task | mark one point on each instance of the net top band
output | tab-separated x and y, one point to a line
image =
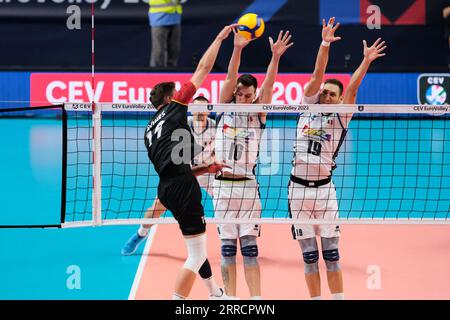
273	108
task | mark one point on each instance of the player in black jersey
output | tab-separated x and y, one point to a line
171	148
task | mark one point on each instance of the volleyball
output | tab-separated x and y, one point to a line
251	26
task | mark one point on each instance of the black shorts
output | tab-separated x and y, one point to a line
183	197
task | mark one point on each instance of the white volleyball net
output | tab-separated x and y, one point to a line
392	164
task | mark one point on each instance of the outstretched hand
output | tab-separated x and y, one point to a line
226	31
283	43
328	31
239	40
375	51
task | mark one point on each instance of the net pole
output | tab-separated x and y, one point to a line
96	136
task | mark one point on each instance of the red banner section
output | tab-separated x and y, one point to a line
135	88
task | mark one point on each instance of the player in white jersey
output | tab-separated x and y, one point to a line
236	193
312	194
204	131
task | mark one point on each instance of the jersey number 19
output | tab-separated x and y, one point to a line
314	148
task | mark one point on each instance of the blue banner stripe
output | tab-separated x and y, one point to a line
266	9
345	11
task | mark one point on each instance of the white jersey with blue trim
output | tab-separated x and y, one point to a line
205	138
237	142
319	137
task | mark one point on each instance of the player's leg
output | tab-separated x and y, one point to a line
248	234
302	201
228	265
155	211
183	197
249	251
330	241
310	251
215	292
197	255
330	253
228	234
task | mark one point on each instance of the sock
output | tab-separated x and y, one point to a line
337	296
142	232
316	298
177	296
212	286
256	298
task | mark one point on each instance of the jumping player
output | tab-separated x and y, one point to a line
171	148
237	144
312	194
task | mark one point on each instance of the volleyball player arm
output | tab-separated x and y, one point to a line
370	54
278	49
316	80
209	58
226	93
208	168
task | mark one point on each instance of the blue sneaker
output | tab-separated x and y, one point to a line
132	244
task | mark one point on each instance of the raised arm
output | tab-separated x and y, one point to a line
226	93
370	54
328	37
278	49
209	58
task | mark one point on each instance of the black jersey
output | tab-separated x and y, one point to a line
170	123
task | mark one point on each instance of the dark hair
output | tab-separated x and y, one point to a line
248	80
160	92
338	83
201	98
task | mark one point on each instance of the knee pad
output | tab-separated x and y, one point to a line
229	249
310	254
197	255
249	250
330	253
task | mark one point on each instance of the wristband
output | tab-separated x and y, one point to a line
325	43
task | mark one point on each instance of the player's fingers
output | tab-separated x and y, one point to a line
234	25
381	55
381	44
280	35
271	41
365	43
288	39
336	26
382	49
331	21
376	42
289	45
323	23
285	36
337	38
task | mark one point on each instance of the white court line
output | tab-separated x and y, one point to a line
142	262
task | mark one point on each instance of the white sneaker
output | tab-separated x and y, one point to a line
223	296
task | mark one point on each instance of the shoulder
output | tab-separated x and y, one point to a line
185	94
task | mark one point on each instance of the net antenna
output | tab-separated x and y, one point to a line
96	133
